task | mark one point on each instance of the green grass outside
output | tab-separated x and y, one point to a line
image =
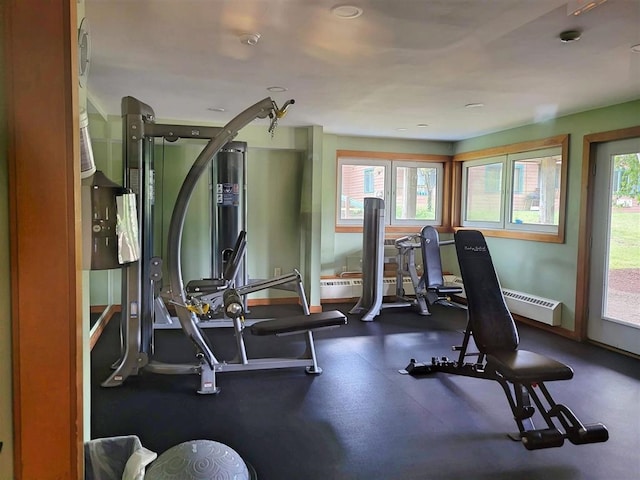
625	240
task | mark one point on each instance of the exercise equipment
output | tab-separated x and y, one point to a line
370	301
521	374
200	460
429	288
141	301
209	292
125	458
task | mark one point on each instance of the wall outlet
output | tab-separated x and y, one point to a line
277	272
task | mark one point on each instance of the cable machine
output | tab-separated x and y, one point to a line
141	300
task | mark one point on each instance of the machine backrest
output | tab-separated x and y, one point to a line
235	259
431	262
489	318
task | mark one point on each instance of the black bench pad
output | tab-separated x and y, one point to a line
299	323
521	366
445	289
206	285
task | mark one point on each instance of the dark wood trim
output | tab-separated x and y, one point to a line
456	194
512	148
585	227
447	193
563	332
392	231
414	157
41	93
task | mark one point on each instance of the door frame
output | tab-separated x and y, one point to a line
43	137
589	154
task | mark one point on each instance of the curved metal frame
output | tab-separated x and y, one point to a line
262	109
136	349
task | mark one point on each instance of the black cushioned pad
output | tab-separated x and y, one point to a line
446	289
299	323
521	366
206	285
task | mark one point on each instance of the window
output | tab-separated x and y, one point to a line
411	187
416	193
358	179
483	200
519	190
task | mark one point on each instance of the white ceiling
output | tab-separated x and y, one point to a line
400	64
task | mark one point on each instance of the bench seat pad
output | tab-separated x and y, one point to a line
299	323
446	289
206	285
521	366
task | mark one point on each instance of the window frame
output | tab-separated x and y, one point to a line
512	154
396	222
483	162
391	161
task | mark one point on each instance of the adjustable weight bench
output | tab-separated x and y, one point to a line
521	374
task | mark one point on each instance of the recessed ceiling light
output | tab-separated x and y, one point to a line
635	48
250	38
346	12
216	109
401	129
474	105
570	36
422	125
277	89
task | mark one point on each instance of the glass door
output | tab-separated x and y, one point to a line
614	292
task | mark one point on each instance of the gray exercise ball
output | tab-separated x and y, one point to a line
199	460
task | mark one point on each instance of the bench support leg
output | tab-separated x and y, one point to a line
208	380
312	369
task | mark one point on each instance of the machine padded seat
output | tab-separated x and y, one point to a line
432	264
521	366
206	285
299	323
234	258
445	289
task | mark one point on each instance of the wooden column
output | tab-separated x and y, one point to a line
41	92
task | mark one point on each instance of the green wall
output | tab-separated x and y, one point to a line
546	269
6	419
291	202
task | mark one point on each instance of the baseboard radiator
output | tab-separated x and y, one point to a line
351	288
540	309
536	308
